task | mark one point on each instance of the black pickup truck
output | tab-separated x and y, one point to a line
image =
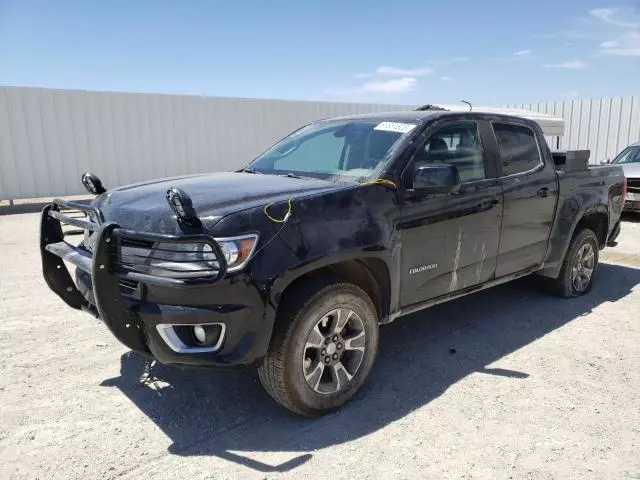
293	262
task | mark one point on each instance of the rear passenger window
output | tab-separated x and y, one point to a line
518	148
458	144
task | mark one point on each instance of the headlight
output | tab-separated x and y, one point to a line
188	260
183	260
237	250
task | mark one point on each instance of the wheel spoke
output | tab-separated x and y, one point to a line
313	378
589	256
315	339
581	281
338	370
577	280
341	317
587	272
575	271
585	281
355	343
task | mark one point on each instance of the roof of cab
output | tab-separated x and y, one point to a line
405	115
549	124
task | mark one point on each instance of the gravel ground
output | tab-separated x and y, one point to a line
508	383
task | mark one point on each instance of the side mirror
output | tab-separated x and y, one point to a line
436	178
605	162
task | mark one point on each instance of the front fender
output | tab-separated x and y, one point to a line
390	260
322	230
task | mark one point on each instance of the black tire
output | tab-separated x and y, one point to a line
282	372
564	284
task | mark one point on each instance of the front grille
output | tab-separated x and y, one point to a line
128	287
633	185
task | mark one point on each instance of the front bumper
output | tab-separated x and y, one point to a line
632	205
632	200
138	308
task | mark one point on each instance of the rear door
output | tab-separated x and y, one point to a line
530	188
450	241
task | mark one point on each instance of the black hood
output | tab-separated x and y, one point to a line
143	206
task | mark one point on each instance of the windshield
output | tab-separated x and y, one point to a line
351	150
629	155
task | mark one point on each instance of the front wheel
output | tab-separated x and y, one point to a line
323	348
579	265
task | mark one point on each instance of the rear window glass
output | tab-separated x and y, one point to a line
518	148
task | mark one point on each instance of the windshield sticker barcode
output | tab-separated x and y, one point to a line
395	127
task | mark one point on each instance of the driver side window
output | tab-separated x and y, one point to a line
459	145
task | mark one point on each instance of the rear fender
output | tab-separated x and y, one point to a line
571	213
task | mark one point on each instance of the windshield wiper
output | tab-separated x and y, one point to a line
293	175
250	170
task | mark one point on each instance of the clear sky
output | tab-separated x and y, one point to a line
404	51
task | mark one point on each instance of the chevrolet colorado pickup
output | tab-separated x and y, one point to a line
293	262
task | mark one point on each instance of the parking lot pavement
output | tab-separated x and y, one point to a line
507	383
627	249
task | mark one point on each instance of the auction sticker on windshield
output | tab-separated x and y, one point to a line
395	127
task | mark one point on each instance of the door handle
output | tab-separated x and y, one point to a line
543	192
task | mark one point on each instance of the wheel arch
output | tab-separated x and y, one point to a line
596	220
371	274
594	217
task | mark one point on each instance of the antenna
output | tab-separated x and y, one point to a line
468	103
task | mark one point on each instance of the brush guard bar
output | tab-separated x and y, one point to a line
103	266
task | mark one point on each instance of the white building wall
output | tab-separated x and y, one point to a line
48	138
605	126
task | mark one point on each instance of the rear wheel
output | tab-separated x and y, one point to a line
323	348
579	265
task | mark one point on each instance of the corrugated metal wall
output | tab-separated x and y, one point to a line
48	138
605	126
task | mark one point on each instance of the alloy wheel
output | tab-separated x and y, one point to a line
333	351
583	267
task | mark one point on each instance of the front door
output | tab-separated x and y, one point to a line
450	241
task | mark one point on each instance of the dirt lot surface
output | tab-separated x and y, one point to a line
508	383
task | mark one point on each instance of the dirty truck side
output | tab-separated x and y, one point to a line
293	262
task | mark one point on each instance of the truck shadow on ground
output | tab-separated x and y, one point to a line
221	412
